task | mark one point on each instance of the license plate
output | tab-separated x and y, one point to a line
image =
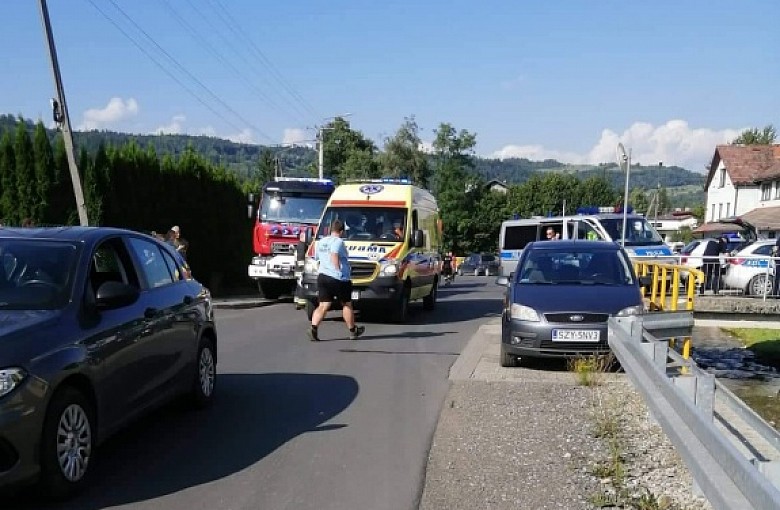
355	295
575	335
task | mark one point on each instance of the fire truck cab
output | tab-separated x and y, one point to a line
285	210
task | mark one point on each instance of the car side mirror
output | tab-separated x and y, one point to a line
502	281
645	281
418	239
112	295
307	237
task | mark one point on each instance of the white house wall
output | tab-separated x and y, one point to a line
721	200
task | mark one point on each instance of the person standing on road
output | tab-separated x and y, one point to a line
776	260
333	282
711	258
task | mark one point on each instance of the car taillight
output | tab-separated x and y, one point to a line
736	262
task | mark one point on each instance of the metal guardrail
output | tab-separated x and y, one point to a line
683	399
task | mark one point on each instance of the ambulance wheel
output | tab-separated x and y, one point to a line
429	301
402	307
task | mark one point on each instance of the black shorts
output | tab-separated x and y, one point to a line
330	289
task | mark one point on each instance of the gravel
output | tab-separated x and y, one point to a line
520	444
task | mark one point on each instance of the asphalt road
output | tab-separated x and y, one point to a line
337	424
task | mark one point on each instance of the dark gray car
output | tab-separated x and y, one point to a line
97	326
479	264
562	295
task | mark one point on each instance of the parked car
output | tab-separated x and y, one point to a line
479	264
97	326
752	275
561	296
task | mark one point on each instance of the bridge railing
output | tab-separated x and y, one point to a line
734	467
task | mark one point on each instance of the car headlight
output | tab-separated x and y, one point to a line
388	268
631	310
523	313
310	266
10	379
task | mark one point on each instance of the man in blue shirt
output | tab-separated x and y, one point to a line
333	281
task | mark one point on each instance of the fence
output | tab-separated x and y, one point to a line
734	466
737	275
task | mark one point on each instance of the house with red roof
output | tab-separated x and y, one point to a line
744	181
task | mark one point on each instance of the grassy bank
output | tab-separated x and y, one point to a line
763	341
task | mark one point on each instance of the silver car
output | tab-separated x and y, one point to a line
752	269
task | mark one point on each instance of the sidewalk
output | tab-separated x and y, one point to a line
516	438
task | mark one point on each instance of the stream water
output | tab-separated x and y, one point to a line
724	356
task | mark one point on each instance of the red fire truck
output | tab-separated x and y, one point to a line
287	207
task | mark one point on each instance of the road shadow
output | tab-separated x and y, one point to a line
457	310
173	449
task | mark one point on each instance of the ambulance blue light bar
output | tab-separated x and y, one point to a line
383	180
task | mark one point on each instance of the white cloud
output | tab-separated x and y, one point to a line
673	143
115	111
293	136
426	147
174	128
245	136
513	83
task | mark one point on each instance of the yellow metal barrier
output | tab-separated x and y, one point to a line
663	298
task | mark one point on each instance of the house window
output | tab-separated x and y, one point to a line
777	190
728	209
722	177
766	191
720	210
712	214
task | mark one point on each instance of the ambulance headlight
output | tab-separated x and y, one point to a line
389	268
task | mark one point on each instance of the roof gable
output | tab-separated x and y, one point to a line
746	164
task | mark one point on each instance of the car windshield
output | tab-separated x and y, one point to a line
638	231
35	275
292	208
366	223
575	267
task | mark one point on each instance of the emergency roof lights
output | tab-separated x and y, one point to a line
303	179
383	180
603	210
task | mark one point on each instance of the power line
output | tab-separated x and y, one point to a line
163	68
237	51
192	76
193	32
274	70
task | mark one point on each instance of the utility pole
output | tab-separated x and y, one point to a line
321	151
60	111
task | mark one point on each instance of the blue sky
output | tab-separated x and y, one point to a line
564	79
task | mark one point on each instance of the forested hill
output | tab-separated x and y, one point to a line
242	158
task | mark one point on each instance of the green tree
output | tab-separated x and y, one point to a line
8	201
25	173
598	191
44	172
457	193
340	142
638	200
61	201
403	156
754	136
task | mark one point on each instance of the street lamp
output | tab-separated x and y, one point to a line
624	158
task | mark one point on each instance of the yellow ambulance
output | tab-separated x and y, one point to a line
392	233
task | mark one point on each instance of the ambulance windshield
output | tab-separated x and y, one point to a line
367	223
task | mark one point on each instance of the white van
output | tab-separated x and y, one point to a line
642	240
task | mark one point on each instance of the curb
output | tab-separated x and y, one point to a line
241	304
467	361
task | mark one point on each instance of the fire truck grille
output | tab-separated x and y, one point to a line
283	249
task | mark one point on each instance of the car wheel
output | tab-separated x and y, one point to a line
758	285
508	360
67	444
402	307
429	301
205	383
